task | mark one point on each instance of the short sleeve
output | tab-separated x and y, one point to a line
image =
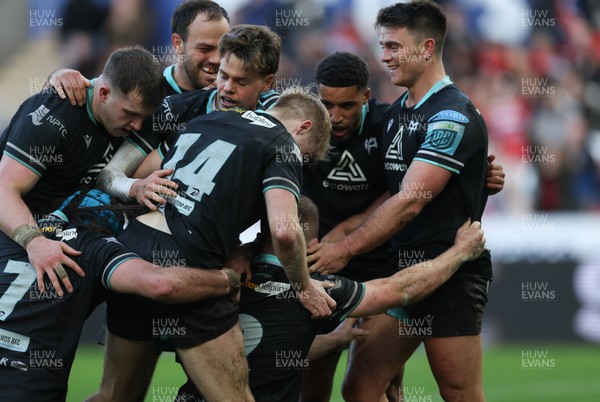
284	169
36	137
450	141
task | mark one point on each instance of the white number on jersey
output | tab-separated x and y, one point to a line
17	289
199	174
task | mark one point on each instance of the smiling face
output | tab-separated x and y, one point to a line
200	51
345	105
239	85
404	55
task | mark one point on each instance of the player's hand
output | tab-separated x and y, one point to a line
49	257
239	260
495	177
346	332
314	298
470	240
70	84
327	258
150	191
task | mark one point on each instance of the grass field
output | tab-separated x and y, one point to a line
514	373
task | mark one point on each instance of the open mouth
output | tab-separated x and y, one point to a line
209	70
227	102
339	131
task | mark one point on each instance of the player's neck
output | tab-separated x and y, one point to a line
426	81
181	78
96	99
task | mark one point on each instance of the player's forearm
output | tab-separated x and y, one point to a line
14	212
290	248
411	284
382	224
115	177
420	280
185	285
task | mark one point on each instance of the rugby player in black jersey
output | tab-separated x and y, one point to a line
278	331
229	165
434	150
39	331
50	147
351	183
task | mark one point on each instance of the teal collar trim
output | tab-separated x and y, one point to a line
211	102
88	103
365	110
267	258
435	88
168	74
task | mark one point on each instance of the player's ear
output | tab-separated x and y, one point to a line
304	127
366	95
268	82
429	47
104	93
177	43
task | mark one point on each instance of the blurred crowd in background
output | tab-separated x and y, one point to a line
532	67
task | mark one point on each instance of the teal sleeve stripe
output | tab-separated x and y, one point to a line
160	152
23	163
362	294
108	275
437	164
283	187
128	139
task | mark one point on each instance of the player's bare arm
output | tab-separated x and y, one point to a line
418	281
147	184
16	221
385	221
70	84
335	340
290	248
173	285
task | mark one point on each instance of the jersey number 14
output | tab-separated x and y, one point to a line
199	174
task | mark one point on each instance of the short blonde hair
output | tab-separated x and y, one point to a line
298	102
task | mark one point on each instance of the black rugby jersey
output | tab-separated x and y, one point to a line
223	163
61	143
446	130
348	183
39	332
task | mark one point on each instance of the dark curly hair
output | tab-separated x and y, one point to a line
342	69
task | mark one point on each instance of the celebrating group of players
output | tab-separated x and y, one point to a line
387	197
